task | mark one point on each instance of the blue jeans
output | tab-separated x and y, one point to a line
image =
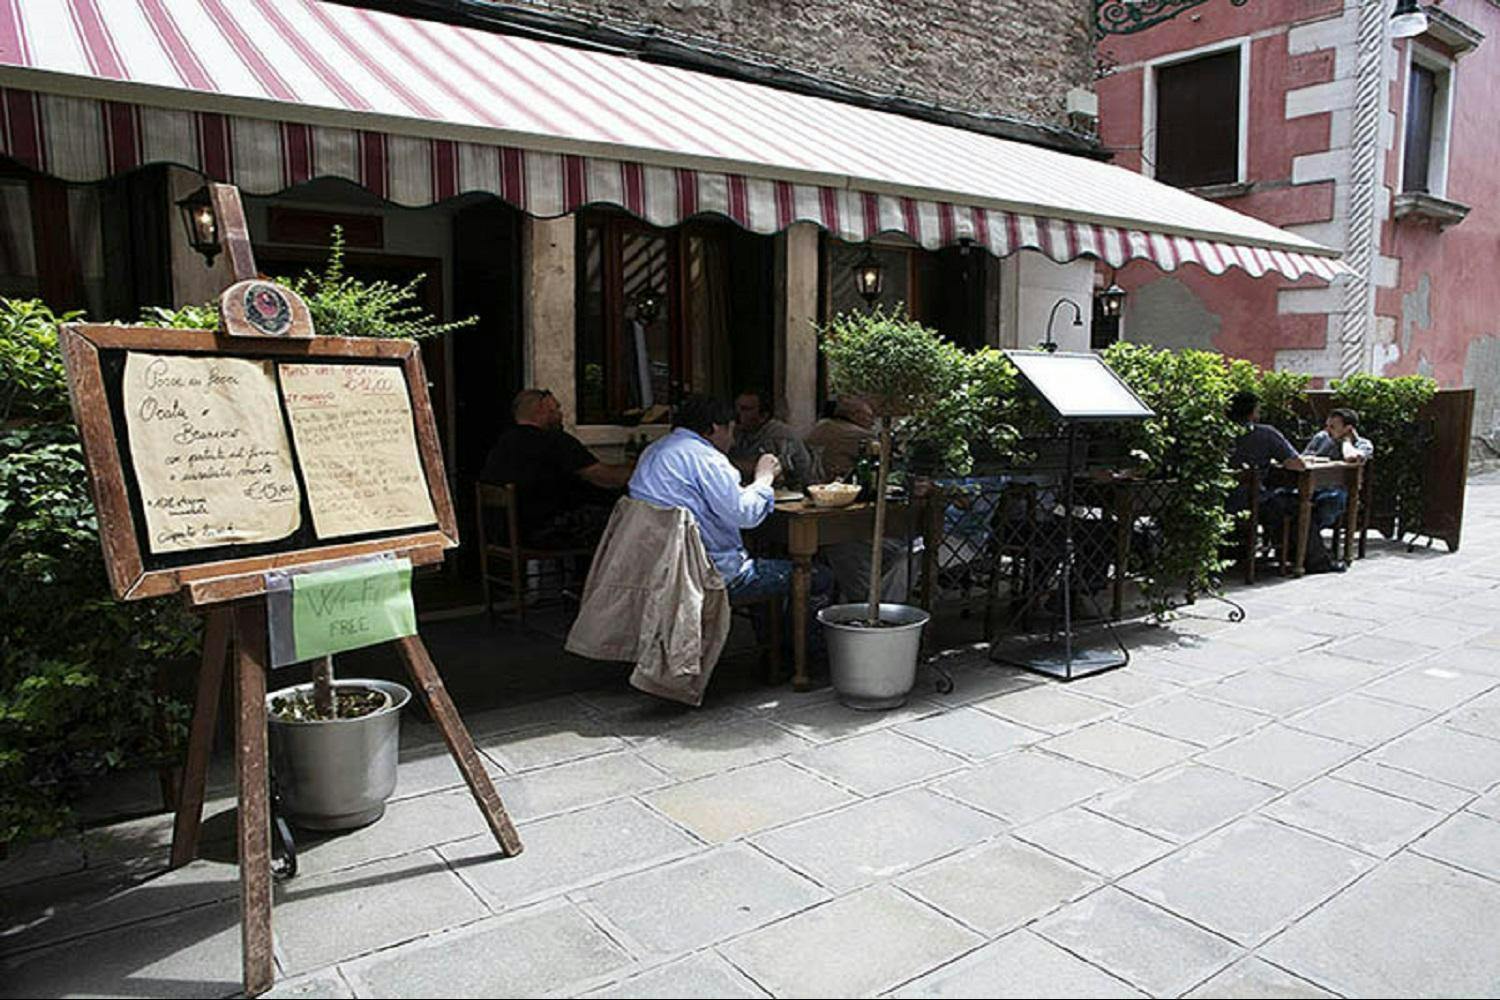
759	579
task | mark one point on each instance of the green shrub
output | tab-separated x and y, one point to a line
1388	409
1187	444
78	670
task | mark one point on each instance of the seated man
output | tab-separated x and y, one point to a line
564	493
1338	441
840	439
759	433
688	468
1258	447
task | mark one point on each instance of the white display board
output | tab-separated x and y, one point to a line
1079	386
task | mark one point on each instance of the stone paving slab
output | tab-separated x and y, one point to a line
747	800
877	762
878	838
1184	803
1124	750
567	852
1146	946
1196	720
699	901
1094	842
1360	720
1020	965
1411	928
998	886
1466	841
970	733
1320	784
706	975
1358	817
1253	978
396	900
1221	881
1281	756
541	950
857	945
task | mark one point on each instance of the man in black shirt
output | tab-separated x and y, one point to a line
1256	448
564	494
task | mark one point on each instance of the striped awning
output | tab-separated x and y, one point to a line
266	94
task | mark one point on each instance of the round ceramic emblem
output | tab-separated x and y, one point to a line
267	309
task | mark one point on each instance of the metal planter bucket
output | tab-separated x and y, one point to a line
873	668
337	774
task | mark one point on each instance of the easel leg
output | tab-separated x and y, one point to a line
425	677
200	739
254	819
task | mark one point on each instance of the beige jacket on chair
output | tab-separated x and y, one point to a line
654	598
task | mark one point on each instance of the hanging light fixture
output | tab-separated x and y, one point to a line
1408	19
647	305
202	227
1111	300
869	276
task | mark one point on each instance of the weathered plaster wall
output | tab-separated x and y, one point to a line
1015	57
1295	163
1442	314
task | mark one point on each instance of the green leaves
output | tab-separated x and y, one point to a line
898	365
33	385
344	306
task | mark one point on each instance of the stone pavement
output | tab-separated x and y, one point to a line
1304	804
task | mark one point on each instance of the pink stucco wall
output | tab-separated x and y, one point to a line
1440	317
1444	305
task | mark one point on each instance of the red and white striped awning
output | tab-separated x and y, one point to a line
270	93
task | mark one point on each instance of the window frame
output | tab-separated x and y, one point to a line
1149	97
1444	71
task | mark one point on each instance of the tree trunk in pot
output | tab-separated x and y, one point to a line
877	544
322	676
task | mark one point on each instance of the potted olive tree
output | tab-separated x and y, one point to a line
901	368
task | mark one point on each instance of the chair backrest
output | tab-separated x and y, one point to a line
501	497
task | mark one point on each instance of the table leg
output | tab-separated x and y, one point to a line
1351	514
801	545
801	592
1304	524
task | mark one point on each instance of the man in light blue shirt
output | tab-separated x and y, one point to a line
688	468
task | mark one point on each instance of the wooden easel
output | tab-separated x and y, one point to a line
231	593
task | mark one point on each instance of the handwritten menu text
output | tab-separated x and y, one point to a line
357	447
210	451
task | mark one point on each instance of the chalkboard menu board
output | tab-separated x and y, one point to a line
213	457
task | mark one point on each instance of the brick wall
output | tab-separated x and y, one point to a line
1010	57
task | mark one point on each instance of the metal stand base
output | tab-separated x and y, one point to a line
1054	658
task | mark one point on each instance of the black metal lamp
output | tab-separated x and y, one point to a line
869	276
202	226
1408	19
647	305
1111	301
1049	345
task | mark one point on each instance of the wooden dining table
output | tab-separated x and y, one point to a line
804	527
1320	475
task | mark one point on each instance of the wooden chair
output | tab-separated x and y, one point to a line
771	647
514	553
1366	505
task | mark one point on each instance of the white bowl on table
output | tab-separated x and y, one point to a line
833	494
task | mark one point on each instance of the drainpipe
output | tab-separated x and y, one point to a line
1365	179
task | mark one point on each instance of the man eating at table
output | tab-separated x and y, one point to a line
1338	441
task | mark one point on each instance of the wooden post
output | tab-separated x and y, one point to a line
427	682
322	674
189	817
251	664
234	231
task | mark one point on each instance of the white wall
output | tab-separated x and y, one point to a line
1030	285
